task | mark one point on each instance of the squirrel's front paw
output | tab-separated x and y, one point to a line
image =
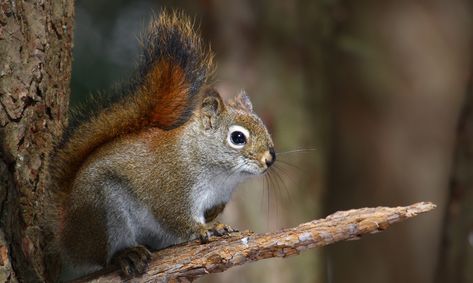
219	229
133	261
215	229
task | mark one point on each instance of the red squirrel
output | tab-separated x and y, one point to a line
156	167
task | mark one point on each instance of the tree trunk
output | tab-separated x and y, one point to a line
456	258
35	70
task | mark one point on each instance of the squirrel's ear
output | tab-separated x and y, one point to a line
212	106
241	101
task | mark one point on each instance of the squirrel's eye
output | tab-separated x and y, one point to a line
237	136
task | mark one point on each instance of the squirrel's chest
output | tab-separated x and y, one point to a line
210	193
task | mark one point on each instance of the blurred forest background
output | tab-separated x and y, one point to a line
377	91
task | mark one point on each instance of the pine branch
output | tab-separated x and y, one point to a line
186	262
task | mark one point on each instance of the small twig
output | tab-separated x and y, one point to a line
186	262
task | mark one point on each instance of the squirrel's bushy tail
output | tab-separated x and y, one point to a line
174	66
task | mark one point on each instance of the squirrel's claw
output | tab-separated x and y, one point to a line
216	229
133	261
220	229
204	235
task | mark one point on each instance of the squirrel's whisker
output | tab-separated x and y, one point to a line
286	174
289	164
296	151
278	189
267	189
278	171
272	188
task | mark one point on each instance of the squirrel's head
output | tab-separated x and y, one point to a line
233	135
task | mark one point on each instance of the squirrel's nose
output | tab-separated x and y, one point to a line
270	158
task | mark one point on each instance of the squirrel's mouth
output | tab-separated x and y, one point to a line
249	173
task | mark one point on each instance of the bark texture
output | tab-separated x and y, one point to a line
184	263
35	70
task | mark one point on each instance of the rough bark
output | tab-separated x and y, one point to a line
186	262
456	259
35	69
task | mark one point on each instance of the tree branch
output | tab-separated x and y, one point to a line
185	262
